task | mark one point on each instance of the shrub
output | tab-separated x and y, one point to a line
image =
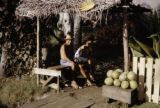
15	92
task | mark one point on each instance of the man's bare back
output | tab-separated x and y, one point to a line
66	59
65	53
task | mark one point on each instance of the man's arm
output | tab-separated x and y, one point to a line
90	60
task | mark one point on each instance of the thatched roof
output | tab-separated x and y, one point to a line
43	8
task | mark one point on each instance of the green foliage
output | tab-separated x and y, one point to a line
140	49
135	49
147	105
54	40
156	44
13	91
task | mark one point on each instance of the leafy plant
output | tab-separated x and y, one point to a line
140	49
156	44
14	92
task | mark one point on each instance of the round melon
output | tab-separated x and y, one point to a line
125	73
115	75
131	76
109	73
133	84
117	82
124	84
108	81
123	77
119	70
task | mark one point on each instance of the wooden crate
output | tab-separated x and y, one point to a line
148	77
117	93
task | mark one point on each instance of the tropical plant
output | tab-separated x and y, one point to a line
140	49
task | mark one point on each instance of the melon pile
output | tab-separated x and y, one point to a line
121	79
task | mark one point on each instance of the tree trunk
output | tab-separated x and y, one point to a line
64	22
77	35
3	60
125	42
38	46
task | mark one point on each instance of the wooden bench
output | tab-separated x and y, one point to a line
50	72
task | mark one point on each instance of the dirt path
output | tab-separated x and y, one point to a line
88	97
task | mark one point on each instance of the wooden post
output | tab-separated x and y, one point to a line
58	88
125	40
38	28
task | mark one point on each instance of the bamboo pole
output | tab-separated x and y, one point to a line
38	29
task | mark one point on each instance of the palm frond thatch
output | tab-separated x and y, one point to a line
43	8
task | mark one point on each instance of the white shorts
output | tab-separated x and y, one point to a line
65	63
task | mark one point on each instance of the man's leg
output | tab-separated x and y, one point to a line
85	75
73	75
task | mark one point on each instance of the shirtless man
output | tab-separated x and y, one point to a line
66	58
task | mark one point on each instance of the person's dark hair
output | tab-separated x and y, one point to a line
69	33
88	38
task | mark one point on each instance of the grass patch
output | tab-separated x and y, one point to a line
117	104
15	92
147	105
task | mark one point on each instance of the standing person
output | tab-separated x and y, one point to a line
66	58
83	57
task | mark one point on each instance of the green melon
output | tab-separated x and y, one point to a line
109	73
125	73
123	77
125	84
117	82
115	75
131	75
108	81
133	84
119	70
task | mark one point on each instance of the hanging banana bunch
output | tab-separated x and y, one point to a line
87	5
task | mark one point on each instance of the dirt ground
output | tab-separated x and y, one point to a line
89	97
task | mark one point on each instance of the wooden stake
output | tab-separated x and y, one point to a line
125	41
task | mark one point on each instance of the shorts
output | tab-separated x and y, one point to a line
81	60
65	63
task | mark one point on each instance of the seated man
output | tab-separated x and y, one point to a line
66	59
83	58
